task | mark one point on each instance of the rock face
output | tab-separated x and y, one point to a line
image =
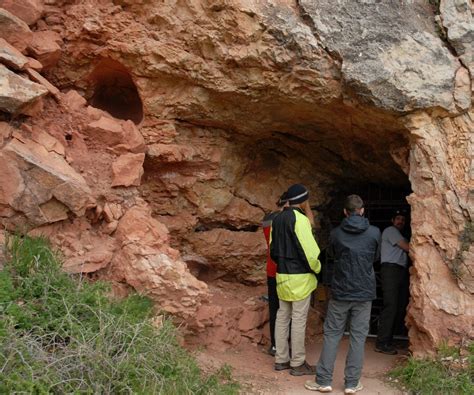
162	133
18	94
391	56
28	11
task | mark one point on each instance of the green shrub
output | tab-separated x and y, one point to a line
451	371
61	334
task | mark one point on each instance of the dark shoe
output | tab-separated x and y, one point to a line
282	365
272	351
303	370
386	349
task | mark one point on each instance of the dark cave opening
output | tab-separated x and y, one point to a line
114	91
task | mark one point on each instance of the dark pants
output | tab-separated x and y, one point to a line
394	280
273	305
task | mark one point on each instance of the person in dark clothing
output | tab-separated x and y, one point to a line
273	303
355	245
394	273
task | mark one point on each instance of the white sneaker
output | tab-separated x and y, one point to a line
357	388
314	386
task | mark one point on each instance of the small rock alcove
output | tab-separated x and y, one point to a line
114	91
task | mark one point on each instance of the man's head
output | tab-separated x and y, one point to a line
399	218
353	205
297	194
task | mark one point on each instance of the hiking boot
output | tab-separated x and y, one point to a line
282	365
303	370
272	351
314	386
385	349
353	390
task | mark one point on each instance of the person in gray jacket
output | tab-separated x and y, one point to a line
394	273
355	245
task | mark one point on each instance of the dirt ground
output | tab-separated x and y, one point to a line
253	368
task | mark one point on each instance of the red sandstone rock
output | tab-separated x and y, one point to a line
5	132
18	94
14	30
45	47
28	11
37	77
106	131
128	170
48	177
170	152
151	267
237	254
11	57
34	64
243	102
73	100
132	138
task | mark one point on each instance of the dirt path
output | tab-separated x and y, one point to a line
253	368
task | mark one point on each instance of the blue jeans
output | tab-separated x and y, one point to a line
358	314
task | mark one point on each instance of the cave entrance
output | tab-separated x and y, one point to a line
380	202
114	91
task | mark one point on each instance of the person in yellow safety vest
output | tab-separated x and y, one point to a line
295	252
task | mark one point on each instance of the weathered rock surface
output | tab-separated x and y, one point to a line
231	102
45	47
11	57
457	18
391	56
18	94
45	186
28	11
146	262
442	281
14	30
128	170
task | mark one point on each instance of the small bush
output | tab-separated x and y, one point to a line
60	334
450	372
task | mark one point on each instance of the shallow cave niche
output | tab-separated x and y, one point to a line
113	90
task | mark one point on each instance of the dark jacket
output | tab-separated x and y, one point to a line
355	245
294	250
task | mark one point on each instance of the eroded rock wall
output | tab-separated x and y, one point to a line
148	139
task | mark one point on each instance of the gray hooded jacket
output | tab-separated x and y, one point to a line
355	245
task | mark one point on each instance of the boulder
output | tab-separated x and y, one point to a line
147	263
105	130
44	46
17	94
133	140
391	56
49	186
28	11
73	100
11	57
128	170
14	30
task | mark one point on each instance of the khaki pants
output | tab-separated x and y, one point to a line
296	313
